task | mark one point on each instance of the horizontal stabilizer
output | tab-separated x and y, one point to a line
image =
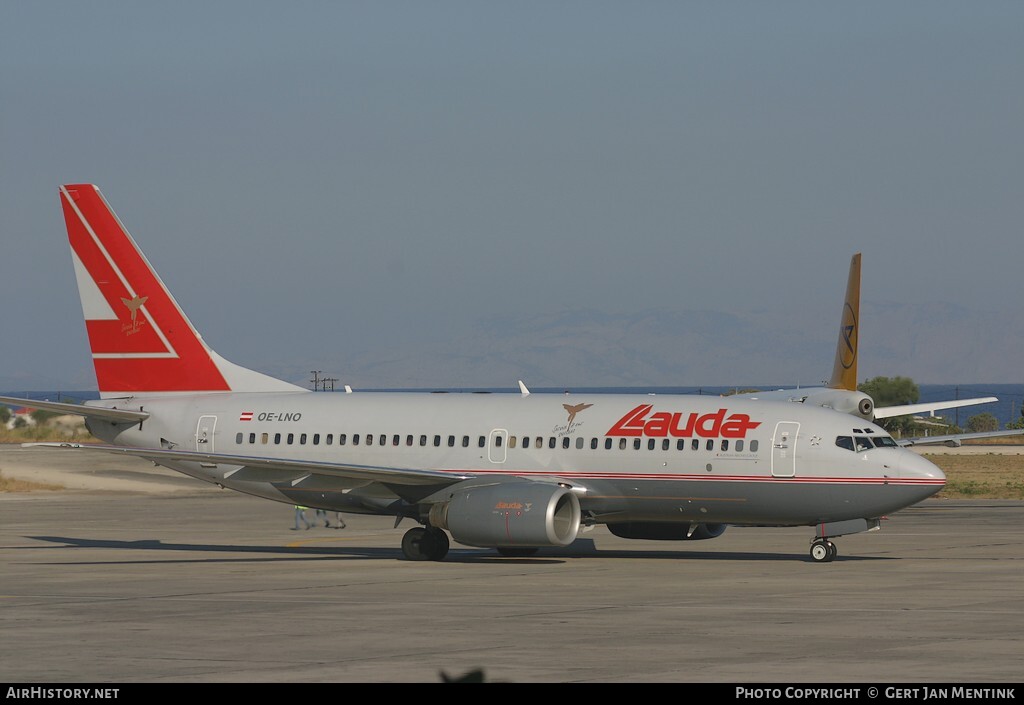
95	412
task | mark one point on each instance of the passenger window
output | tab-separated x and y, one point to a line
664	444
437	441
710	445
622	444
753	446
277	439
408	440
395	440
330	439
451	441
264	438
302	439
725	445
316	439
252	437
383	441
680	444
238	438
579	443
423	440
607	443
565	442
355	439
497	440
511	441
342	438
369	439
593	444
695	444
291	438
465	441
650	444
636	444
551	442
739	446
845	442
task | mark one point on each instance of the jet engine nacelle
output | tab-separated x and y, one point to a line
856	403
510	514
666	531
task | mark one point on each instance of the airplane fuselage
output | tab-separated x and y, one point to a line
629	458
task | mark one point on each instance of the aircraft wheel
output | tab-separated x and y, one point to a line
517	551
820	552
415	544
833	551
435	544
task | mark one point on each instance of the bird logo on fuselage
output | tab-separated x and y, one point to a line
574	409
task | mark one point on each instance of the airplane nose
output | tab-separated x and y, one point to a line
918	471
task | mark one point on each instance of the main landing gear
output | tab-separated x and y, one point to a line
425	544
823	551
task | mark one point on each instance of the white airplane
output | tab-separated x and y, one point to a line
513	472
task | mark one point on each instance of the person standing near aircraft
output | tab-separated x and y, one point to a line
300	515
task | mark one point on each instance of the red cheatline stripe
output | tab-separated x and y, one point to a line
709	478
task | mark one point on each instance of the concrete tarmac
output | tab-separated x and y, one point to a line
188	583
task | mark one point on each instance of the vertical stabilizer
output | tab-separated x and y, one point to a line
141	341
844	371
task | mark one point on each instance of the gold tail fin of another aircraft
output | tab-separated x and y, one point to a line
844	372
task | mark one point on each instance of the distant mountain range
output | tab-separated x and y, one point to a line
931	343
935	343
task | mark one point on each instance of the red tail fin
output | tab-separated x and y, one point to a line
141	340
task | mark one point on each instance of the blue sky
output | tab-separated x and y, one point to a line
325	182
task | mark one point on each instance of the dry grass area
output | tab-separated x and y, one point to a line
10	484
1003	441
981	476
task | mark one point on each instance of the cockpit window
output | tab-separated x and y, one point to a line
860	444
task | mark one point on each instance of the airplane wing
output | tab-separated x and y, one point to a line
282	469
98	412
955	440
887	412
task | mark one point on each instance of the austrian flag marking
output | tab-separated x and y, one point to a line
246	416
